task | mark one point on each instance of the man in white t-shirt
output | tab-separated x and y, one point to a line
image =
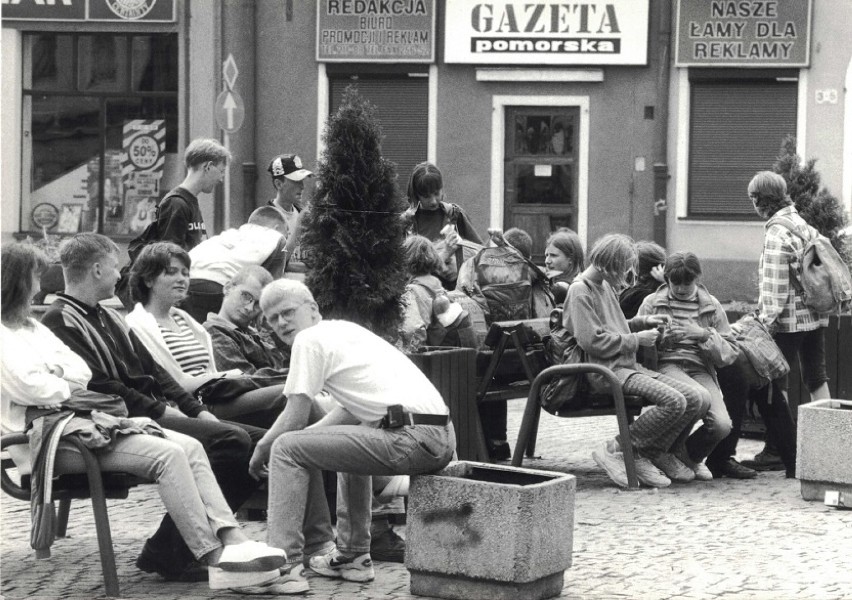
288	178
389	420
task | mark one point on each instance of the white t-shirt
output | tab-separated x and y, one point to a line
360	370
291	217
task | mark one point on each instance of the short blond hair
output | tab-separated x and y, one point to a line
202	150
284	288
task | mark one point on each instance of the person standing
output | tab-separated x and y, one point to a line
798	330
178	217
288	178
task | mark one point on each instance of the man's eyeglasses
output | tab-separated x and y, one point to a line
247	299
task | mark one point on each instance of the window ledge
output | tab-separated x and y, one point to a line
541	75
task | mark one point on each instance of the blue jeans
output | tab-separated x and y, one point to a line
298	517
716	424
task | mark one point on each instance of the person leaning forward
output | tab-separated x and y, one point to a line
121	365
390	420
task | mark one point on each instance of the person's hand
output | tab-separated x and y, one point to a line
657	320
657	272
258	463
690	331
648	337
231	373
206	415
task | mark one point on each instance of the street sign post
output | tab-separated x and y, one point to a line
230	111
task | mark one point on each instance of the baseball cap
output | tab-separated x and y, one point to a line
289	166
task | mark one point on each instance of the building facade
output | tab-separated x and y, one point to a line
646	117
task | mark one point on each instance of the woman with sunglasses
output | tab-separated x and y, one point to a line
593	316
159	280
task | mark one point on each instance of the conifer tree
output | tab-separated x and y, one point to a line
817	206
352	233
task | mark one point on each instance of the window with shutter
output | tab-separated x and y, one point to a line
402	104
738	121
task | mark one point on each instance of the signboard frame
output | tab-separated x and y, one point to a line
85	11
680	32
364	58
528	26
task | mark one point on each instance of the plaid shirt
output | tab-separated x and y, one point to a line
781	305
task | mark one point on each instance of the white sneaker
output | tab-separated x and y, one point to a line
220	579
251	556
291	581
673	468
650	475
613	464
702	472
358	568
397	486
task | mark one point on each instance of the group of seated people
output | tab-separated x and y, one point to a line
259	386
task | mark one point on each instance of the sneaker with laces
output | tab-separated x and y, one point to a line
673	468
291	581
356	568
650	475
613	464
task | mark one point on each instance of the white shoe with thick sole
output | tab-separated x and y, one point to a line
220	579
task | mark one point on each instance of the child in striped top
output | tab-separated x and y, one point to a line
690	349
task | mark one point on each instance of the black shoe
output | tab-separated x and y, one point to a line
731	468
388	547
499	450
151	561
764	461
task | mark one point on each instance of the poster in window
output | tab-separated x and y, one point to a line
70	216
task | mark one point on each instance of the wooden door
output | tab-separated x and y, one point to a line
540	171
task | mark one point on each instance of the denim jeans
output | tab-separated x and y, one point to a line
298	517
185	482
716	424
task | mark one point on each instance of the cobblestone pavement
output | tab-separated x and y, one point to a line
722	539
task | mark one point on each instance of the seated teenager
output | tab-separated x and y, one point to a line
41	372
649	277
592	315
158	281
237	343
563	260
693	346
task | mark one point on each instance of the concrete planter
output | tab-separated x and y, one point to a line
824	455
488	532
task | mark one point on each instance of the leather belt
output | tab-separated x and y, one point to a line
419	419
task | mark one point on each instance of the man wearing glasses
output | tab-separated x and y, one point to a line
237	344
217	260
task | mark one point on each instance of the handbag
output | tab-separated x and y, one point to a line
225	389
761	350
561	348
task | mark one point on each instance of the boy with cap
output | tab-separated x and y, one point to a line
288	179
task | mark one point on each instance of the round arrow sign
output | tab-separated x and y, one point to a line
230	111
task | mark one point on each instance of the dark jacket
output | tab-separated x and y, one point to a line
120	363
245	349
452	213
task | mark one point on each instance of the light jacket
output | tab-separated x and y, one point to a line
718	350
144	325
221	257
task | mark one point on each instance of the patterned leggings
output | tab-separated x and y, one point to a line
677	406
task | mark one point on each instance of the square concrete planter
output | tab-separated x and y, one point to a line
824	454
478	531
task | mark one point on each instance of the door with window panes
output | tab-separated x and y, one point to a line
540	192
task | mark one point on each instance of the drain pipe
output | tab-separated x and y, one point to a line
661	167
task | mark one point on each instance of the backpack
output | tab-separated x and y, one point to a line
561	348
505	280
823	278
460	333
754	340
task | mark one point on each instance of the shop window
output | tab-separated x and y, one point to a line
100	118
738	121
